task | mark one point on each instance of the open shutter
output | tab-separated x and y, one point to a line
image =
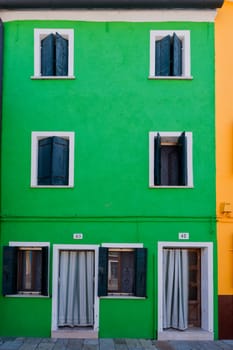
157	160
44	161
183	160
9	282
44	279
48	55
177	56
140	271
163	56
60	161
61	55
103	272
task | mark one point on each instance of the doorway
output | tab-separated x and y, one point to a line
75	302
185	290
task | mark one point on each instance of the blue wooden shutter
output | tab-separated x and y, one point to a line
103	272
157	160
140	271
60	161
183	159
177	56
163	56
44	161
48	56
44	280
61	55
9	278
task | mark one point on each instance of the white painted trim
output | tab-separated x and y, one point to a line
40	34
174	136
38	135
122	245
56	249
29	244
207	316
150	15
184	36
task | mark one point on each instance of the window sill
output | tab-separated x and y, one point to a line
122	297
191	186
27	296
50	186
152	77
70	77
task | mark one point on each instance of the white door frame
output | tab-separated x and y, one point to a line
56	250
207	301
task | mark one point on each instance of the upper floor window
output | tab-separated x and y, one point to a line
52	163
53	53
170	54
170	159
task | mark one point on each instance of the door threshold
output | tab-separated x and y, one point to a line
189	334
75	334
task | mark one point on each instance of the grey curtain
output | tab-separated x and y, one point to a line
175	288
76	288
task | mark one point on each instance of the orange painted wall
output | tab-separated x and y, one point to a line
224	144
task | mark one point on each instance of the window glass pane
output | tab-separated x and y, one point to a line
121	271
29	270
170	165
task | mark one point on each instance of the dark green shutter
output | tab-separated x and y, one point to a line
60	161
9	281
48	55
157	160
44	161
177	56
163	56
44	279
140	271
103	272
61	55
183	159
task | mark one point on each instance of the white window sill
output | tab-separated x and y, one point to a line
27	296
171	186
152	77
50	186
39	77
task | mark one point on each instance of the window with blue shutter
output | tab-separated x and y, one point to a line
168	56
122	272
53	161
170	160
54	55
25	270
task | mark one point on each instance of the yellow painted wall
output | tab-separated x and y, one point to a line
224	144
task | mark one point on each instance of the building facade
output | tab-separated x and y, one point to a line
108	170
224	117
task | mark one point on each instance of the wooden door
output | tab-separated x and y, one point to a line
194	300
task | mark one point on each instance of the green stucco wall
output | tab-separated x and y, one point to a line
111	106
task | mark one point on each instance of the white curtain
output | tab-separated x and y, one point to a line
76	288
175	288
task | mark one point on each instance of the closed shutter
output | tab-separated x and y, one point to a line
163	56
48	55
60	161
183	160
9	283
61	56
103	272
44	281
140	271
177	56
44	161
157	160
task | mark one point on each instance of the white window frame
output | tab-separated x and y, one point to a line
171	137
40	34
36	136
31	245
184	36
207	293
